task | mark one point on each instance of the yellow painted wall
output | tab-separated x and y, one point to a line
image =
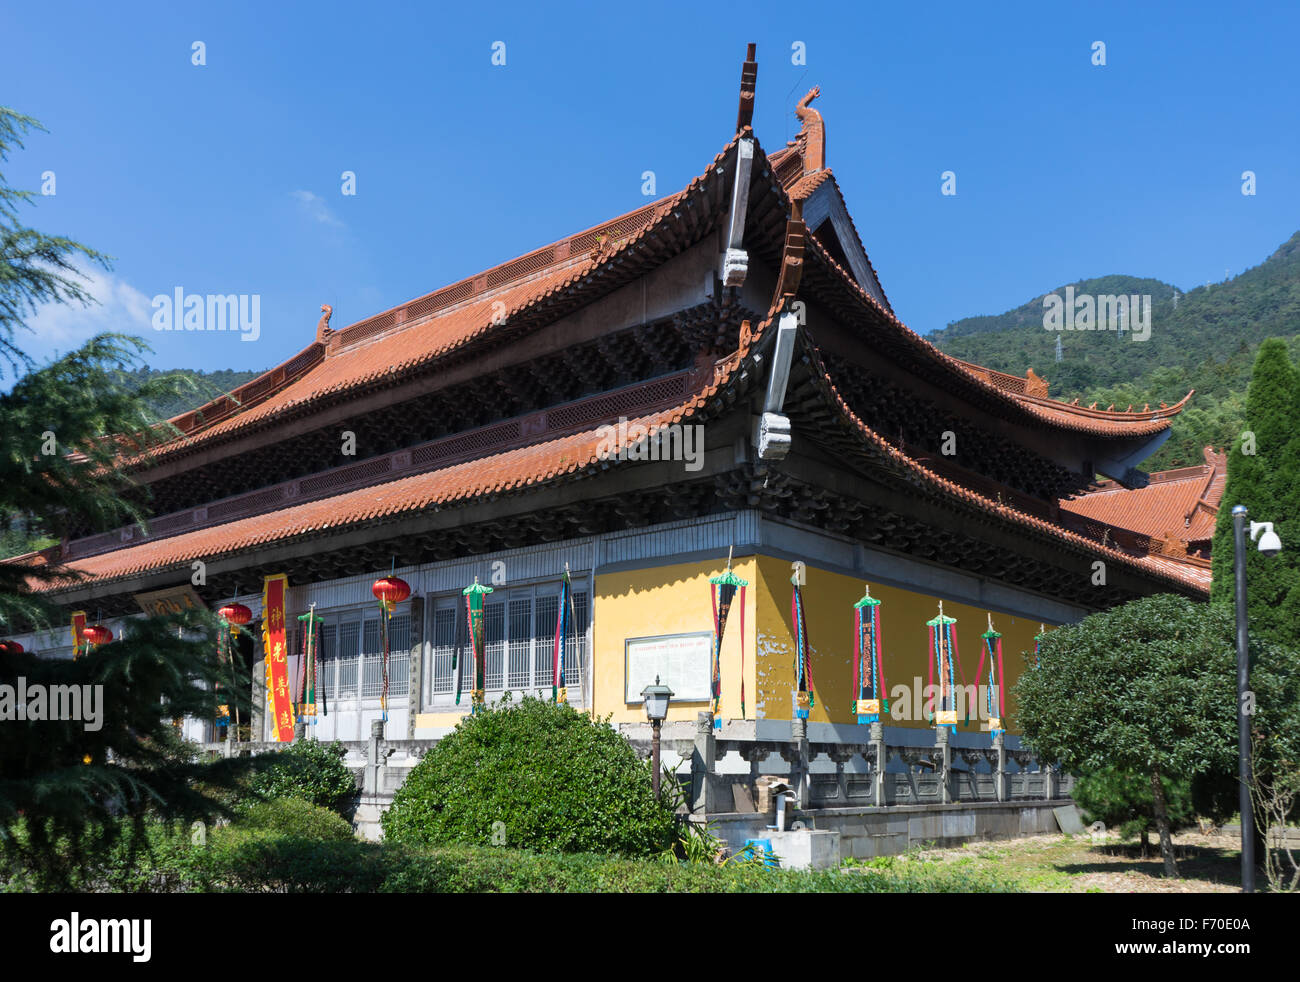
828	606
667	600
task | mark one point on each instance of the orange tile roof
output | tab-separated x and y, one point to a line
428	336
1180	504
503	473
1183	574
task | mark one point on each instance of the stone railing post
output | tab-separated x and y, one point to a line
703	758
1000	766
1049	780
799	737
370	782
945	763
881	754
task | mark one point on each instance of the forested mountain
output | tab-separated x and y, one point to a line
1203	339
199	388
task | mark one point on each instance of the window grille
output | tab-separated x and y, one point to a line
519	644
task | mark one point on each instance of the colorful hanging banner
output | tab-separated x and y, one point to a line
78	634
309	666
563	630
279	700
723	592
805	698
869	689
474	615
943	650
994	698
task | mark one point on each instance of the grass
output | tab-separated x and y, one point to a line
1208	863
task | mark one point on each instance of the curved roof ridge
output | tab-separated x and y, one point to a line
1039	409
605	253
998	509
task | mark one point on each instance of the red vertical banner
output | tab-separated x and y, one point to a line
78	634
279	700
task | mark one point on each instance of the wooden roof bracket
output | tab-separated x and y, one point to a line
734	263
772	428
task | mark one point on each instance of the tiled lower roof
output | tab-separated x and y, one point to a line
1182	505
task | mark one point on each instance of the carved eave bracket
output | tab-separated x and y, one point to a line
734	263
748	85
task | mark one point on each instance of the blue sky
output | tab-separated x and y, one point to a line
226	178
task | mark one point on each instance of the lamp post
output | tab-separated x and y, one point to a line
656	699
1269	545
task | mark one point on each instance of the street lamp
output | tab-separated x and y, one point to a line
656	708
1269	545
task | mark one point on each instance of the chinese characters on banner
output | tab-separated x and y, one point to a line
279	701
78	633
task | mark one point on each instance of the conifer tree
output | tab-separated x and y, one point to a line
66	785
1264	475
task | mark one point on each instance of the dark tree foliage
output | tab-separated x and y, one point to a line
1267	482
1150	688
62	428
1122	800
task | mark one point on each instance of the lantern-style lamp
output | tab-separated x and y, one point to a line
10	648
656	698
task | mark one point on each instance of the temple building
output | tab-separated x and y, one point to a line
719	372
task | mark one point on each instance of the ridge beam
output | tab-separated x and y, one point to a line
734	264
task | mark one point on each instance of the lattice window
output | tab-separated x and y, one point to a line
399	655
444	637
494	647
519	644
349	642
372	668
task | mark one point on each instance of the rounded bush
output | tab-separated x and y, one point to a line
310	771
534	775
296	818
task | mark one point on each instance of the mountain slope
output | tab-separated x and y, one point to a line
1206	341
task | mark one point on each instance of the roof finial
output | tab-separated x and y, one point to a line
323	331
748	82
813	134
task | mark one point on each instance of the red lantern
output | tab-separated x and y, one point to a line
390	591
11	648
235	614
97	634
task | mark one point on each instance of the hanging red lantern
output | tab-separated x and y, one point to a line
11	648
97	634
235	614
390	591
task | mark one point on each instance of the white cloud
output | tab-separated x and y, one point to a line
314	207
61	327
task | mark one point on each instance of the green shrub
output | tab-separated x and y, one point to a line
311	771
1123	800
535	775
294	817
292	866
